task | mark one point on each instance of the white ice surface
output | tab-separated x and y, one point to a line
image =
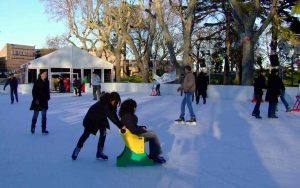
228	147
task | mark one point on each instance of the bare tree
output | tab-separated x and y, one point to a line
245	15
160	15
56	42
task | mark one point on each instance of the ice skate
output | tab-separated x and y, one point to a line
75	153
158	159
179	121
192	121
101	155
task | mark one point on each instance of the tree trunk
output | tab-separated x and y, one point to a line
228	47
248	61
274	31
166	32
187	24
117	53
99	50
187	47
149	45
245	21
145	72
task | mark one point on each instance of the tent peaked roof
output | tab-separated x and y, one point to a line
70	57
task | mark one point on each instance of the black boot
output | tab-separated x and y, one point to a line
101	155
75	153
33	126
158	159
44	130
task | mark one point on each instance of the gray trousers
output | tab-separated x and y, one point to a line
96	92
154	144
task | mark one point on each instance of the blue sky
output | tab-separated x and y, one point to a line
25	22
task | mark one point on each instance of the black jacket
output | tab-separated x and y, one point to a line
201	83
259	85
40	93
13	83
77	83
282	87
96	117
273	92
130	121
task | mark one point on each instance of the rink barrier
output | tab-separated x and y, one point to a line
215	92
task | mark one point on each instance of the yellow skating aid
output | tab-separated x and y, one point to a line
134	151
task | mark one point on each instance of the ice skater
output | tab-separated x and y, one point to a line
96	83
96	120
201	86
41	96
273	92
13	83
282	97
259	86
188	87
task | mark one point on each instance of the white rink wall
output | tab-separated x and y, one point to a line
215	92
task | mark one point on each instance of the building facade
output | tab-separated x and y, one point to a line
14	55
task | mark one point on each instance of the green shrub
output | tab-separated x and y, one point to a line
136	78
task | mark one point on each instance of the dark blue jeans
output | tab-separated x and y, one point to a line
35	116
187	100
282	97
256	110
272	109
12	93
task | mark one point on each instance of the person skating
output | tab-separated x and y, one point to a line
13	83
273	92
61	84
259	86
188	87
95	82
96	120
156	85
282	96
40	98
155	88
201	87
77	86
128	118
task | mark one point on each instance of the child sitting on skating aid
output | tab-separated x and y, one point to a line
130	120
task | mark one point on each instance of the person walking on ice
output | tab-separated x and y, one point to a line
201	86
96	120
259	85
41	96
95	82
188	87
13	83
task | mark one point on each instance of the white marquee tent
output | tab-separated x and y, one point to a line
70	61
